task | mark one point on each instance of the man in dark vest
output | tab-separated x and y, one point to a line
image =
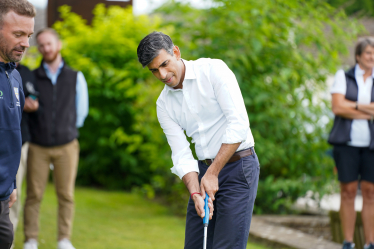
63	97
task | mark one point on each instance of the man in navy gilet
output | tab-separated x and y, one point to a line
16	27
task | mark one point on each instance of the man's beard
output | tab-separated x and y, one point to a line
52	58
7	54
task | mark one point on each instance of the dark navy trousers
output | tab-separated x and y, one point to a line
233	207
6	226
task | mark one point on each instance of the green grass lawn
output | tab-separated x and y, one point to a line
113	220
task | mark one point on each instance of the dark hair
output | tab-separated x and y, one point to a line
21	7
48	30
362	44
151	45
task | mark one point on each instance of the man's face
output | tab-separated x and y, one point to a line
49	46
14	36
167	68
366	59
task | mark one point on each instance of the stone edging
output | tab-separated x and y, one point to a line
278	236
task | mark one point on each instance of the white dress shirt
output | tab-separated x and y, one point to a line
360	133
210	108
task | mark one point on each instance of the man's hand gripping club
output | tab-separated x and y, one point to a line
209	182
191	181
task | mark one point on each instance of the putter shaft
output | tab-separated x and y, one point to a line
206	219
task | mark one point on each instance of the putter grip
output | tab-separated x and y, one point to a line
206	209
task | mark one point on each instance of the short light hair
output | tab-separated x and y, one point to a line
47	30
151	45
362	44
21	7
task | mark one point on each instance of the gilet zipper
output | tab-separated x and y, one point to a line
54	99
11	92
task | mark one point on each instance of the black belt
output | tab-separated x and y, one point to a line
237	156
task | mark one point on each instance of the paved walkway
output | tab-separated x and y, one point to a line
270	230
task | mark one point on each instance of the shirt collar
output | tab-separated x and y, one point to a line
189	74
8	66
360	72
58	69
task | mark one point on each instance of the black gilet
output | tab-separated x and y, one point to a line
341	131
56	123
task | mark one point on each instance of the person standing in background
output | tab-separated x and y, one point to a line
353	138
16	27
31	105
64	97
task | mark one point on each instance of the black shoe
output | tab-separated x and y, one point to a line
348	245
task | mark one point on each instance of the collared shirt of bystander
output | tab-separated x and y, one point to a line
360	133
210	108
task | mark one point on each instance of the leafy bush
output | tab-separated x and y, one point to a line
278	196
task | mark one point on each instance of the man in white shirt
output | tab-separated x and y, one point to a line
203	99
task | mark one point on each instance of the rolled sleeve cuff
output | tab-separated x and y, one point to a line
184	167
80	121
235	135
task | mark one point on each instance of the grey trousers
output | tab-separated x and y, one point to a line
233	207
6	227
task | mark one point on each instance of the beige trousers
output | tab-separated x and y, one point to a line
65	161
16	208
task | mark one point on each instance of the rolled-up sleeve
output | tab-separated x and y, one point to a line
183	160
81	99
231	101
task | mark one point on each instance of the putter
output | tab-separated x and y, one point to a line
206	219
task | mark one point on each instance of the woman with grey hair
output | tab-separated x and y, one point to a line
353	138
